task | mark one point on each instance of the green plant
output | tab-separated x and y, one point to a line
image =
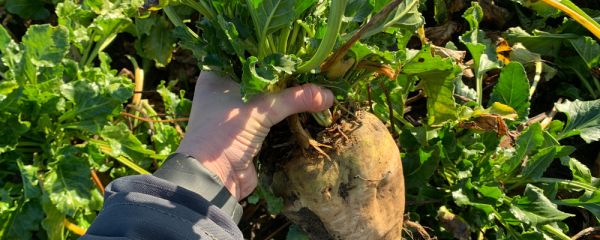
473	160
67	123
477	163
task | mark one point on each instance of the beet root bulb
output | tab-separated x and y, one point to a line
358	194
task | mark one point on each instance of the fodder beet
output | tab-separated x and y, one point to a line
358	194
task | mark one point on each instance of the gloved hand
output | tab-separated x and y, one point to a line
224	133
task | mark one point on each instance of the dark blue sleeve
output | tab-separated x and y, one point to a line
182	200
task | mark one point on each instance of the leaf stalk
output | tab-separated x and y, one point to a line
73	228
479	88
176	20
334	23
557	233
201	6
581	19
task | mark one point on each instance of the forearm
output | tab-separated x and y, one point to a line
182	200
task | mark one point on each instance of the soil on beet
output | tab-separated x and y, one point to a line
279	148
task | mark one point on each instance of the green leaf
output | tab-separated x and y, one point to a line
589	201
97	159
166	139
28	9
438	88
529	140
481	48
54	221
190	42
177	106
27	220
483	52
437	81
158	43
93	102
303	5
588	49
233	37
473	15
461	199
579	170
108	24
123	142
528	58
538	163
7	87
76	18
535	208
578	67
406	17
357	11
544	43
512	89
583	119
45	45
256	79
530	235
460	88
29	176
383	91
218	51
102	31
282	63
540	8
8	207
440	10
68	181
490	191
9	136
8	48
426	164
271	15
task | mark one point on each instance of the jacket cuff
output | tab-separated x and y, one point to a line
187	172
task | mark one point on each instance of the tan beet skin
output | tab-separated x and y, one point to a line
359	194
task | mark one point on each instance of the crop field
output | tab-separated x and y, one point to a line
453	119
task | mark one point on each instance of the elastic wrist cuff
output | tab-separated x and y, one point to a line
187	172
